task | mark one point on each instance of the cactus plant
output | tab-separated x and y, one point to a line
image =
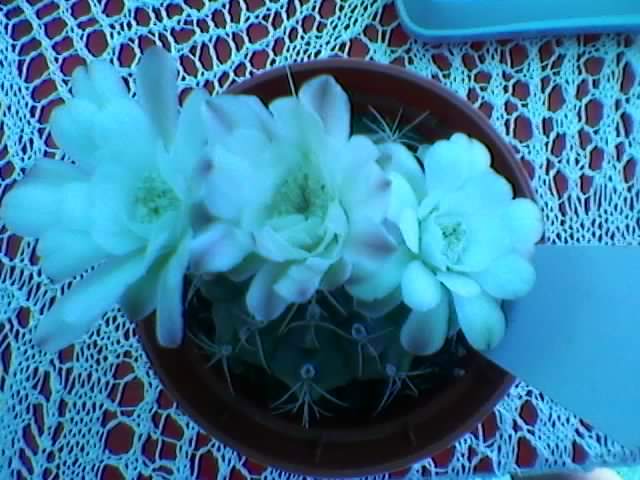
327	355
317	355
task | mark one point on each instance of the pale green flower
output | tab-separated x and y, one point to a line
122	208
297	199
466	245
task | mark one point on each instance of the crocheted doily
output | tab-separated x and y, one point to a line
569	106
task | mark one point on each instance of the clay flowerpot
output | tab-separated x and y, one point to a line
412	428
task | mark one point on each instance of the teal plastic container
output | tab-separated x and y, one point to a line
460	20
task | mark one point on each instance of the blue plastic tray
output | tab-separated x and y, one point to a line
453	20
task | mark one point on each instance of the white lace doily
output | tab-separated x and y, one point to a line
570	107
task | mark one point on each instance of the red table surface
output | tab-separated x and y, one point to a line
42	87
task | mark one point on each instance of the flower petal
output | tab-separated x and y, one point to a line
336	221
247	268
98	83
109	227
408	224
482	193
76	206
226	187
393	230
486	239
72	127
219	248
380	307
126	136
43	201
297	126
508	278
286	222
199	216
73	314
450	163
163	239
420	288
368	244
262	300
301	280
454	325
459	283
424	333
156	83
240	183
481	319
272	246
226	113
428	206
524	223
403	210
304	235
330	248
373	187
336	275
189	144
81	85
169	321
54	172
374	281
139	300
325	97
66	253
432	244
402	196
403	162
44	189
106	84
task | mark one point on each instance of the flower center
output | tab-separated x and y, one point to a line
454	234
302	192
153	198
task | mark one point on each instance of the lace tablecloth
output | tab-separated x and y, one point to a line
569	106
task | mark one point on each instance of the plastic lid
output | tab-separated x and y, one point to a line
445	20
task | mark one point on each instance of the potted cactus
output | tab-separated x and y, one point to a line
343	251
315	255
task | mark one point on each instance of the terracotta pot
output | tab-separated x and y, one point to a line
410	429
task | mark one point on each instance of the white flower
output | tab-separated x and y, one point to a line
296	199
466	244
123	206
